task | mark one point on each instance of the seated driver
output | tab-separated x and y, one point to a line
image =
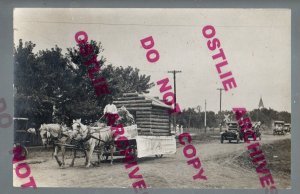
111	113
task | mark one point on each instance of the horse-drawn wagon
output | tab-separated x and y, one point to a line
151	134
147	130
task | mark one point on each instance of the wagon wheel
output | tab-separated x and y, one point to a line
24	151
104	157
106	153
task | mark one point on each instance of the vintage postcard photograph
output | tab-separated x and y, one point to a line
152	98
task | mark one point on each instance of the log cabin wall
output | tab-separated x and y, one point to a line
151	119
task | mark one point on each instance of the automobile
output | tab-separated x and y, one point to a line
287	127
279	128
232	132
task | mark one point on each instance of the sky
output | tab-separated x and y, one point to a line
256	42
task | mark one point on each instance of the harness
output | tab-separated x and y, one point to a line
106	143
90	136
55	140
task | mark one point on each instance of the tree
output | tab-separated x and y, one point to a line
27	97
191	117
126	80
119	79
52	87
40	82
268	116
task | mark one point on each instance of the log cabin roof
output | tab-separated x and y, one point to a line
157	102
151	114
135	100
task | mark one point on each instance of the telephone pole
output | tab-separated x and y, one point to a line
205	117
199	111
174	78
220	89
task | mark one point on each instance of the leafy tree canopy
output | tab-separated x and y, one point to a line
54	87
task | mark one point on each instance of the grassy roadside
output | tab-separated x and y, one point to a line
278	156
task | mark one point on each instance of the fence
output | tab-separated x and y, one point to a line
27	139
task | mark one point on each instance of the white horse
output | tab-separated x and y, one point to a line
55	133
92	137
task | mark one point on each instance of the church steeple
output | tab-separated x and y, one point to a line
261	104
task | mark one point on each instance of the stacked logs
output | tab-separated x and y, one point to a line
152	120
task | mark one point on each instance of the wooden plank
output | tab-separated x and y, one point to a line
130	98
133	104
138	108
143	117
130	94
155	124
132	101
154	127
167	129
160	113
156	130
145	130
152	123
143	112
154	120
156	112
152	116
148	128
166	118
160	131
155	109
155	134
162	134
148	122
155	115
161	117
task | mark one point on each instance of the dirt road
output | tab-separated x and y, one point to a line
219	161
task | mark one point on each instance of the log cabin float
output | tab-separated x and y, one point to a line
151	114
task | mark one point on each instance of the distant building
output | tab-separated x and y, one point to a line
261	104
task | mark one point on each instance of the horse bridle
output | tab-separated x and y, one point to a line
81	134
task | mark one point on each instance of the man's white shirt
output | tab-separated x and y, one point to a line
110	108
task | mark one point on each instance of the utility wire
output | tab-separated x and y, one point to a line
111	24
158	25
